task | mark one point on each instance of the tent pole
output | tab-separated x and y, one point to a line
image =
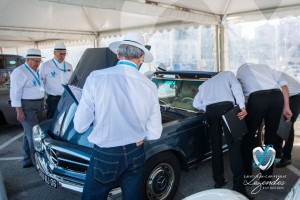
96	41
221	48
217	42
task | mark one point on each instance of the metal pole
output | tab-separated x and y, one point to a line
96	41
219	47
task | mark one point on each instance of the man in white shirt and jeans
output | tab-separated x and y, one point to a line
122	105
54	73
26	94
217	96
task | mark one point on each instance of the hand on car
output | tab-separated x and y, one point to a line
242	114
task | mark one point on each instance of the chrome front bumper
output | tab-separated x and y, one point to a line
41	164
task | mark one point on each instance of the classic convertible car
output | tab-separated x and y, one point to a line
62	154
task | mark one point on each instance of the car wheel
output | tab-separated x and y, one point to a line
161	176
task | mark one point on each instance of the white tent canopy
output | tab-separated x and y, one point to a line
28	22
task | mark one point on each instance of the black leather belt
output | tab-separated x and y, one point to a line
52	96
266	91
220	104
32	99
296	95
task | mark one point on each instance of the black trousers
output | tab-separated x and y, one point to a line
214	114
52	102
295	108
267	105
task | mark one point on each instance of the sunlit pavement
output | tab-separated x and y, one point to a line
26	184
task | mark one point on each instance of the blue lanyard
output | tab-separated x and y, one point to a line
36	78
64	70
123	62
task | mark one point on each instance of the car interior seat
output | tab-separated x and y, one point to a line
185	96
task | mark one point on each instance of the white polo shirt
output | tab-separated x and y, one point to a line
25	83
222	87
54	74
256	77
122	104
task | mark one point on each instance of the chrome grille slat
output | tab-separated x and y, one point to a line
73	162
66	161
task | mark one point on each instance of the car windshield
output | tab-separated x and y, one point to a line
177	93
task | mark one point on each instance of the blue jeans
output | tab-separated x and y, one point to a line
112	166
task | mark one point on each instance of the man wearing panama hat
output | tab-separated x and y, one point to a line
122	104
160	68
54	73
26	94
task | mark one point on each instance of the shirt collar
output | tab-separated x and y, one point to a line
128	63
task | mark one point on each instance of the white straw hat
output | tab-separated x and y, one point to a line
133	39
161	67
59	46
33	53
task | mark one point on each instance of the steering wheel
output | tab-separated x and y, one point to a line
187	100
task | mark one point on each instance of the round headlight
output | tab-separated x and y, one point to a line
38	135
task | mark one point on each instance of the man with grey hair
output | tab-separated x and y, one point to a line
54	73
26	94
122	104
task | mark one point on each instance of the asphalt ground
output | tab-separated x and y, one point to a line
26	184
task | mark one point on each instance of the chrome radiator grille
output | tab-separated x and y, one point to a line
67	161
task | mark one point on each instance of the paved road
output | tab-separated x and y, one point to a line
26	184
